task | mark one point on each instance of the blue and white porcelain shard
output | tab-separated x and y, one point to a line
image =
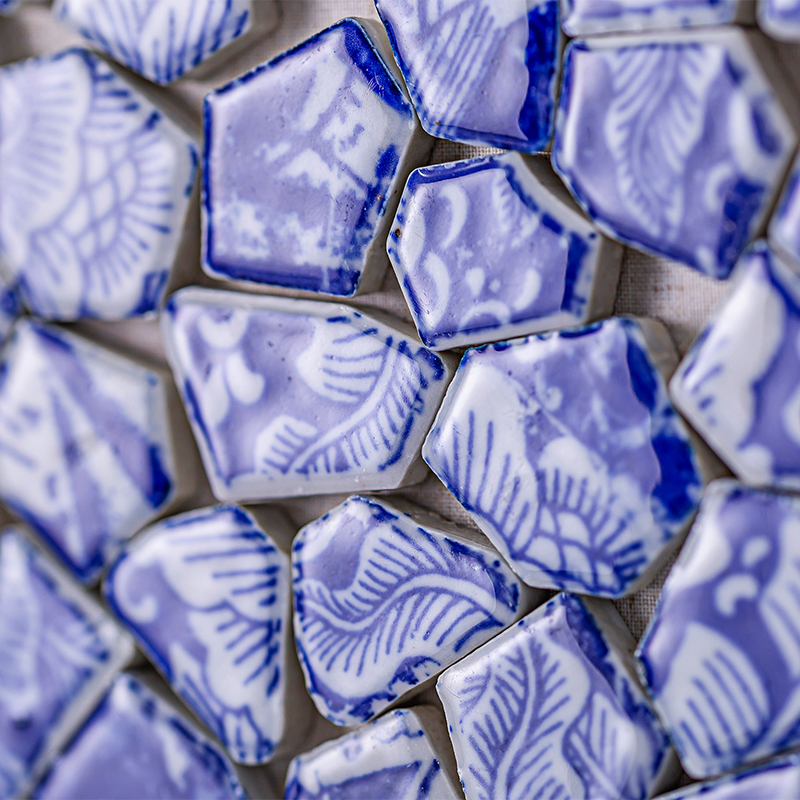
741	391
58	653
783	232
86	448
8	6
303	198
136	746
675	143
206	594
159	39
566	451
401	756
774	780
549	708
95	190
385	600
586	17
780	19
483	72
296	397
493	248
721	657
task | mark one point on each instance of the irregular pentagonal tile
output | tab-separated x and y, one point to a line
87	454
160	39
493	248
677	143
385	600
784	226
721	657
136	745
402	756
95	189
771	781
291	397
305	159
741	390
565	450
479	71
549	709
780	19
207	595
58	653
584	17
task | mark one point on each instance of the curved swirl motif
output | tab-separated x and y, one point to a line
160	39
402	603
96	191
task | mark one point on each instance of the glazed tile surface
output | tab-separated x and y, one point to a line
548	709
57	650
674	144
8	6
483	72
784	226
382	603
207	595
780	19
565	450
740	391
136	746
484	251
290	397
391	759
721	658
86	455
160	39
297	199
96	188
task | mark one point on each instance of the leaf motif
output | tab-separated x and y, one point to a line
279	444
391	782
655	119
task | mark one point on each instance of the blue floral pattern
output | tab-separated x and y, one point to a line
58	651
742	393
95	190
382	603
479	71
784	226
547	709
566	451
207	595
721	658
304	198
292	397
85	444
160	39
483	250
392	757
676	146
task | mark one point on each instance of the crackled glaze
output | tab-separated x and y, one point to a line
721	657
136	746
299	198
740	391
479	71
566	451
784	227
548	709
675	144
483	250
86	455
780	19
58	651
382	603
392	758
160	39
95	189
290	397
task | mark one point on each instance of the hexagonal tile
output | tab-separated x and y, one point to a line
296	397
721	658
305	158
675	143
87	454
493	248
95	190
565	450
